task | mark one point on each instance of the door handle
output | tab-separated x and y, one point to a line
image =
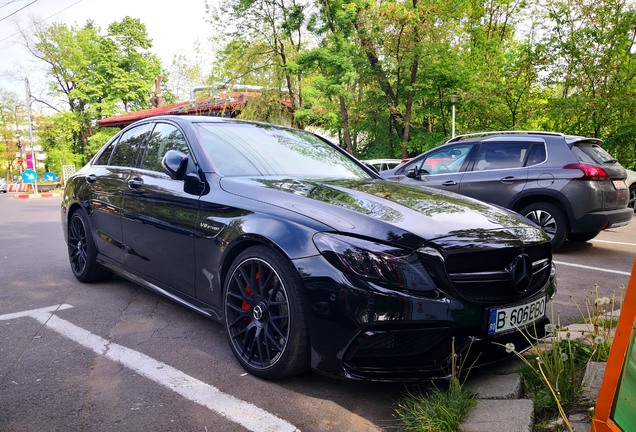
508	179
449	183
92	178
135	183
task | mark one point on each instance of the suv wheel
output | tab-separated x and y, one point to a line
551	219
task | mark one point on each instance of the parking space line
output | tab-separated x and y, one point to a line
247	415
593	268
613	242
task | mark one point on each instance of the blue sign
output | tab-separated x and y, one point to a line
29	176
49	176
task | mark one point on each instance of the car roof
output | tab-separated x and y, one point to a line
570	139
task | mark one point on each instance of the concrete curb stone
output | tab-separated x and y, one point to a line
489	415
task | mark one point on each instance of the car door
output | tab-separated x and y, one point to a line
497	173
159	216
106	181
441	168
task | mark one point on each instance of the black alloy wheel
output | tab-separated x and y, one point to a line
82	252
551	220
264	315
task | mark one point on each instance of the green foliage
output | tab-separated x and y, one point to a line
98	75
437	410
11	121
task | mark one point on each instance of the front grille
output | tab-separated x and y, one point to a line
485	276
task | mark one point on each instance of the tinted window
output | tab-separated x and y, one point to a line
591	153
127	151
537	155
264	150
164	137
501	155
105	155
446	160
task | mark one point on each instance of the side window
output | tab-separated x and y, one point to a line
105	155
537	155
501	155
164	137
131	143
445	160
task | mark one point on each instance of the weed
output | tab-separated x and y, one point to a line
438	409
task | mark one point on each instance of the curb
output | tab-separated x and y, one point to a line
499	405
36	196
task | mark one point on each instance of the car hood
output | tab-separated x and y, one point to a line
394	212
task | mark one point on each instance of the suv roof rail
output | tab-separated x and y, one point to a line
509	132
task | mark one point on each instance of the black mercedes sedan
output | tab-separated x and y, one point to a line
303	254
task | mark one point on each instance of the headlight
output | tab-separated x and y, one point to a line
374	262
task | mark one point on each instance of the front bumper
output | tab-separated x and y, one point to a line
362	331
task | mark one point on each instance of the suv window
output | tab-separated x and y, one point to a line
127	151
591	153
164	137
105	155
501	155
446	160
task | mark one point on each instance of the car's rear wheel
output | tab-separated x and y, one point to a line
551	219
582	237
264	314
82	253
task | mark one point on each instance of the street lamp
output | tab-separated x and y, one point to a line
453	99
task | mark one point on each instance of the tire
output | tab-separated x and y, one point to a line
551	219
82	253
582	237
632	196
265	318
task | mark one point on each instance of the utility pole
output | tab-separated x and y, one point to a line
28	103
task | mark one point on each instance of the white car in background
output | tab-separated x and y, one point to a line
3	186
382	164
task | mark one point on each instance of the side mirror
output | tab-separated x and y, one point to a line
175	164
413	173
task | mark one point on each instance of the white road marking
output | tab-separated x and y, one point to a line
613	242
247	415
593	268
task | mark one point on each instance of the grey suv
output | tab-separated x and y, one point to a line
568	185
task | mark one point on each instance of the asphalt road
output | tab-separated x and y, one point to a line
119	357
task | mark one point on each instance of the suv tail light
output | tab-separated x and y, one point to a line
590	172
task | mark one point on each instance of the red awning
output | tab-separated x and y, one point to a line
205	107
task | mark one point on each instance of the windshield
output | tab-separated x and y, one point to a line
246	149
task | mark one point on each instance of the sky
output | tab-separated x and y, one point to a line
173	27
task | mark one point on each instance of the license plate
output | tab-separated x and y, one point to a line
516	317
619	184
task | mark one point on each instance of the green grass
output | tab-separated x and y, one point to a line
436	410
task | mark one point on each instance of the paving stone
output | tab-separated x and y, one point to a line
506	386
592	381
516	415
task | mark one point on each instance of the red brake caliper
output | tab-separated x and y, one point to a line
245	305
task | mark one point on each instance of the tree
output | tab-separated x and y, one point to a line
96	75
11	123
265	38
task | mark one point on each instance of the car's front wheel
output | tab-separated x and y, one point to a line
265	316
82	253
551	219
